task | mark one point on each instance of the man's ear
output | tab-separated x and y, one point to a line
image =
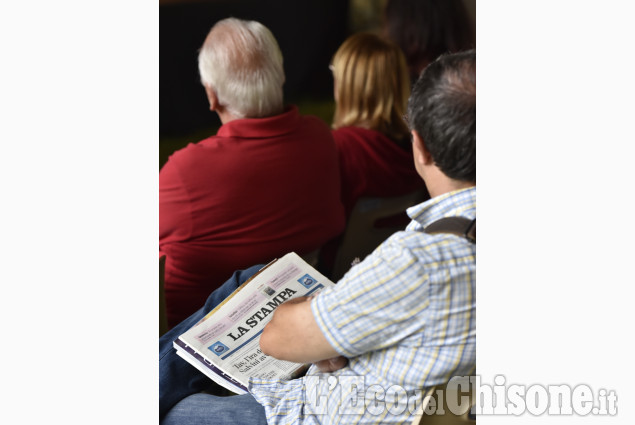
212	98
421	154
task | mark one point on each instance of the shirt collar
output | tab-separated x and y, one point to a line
457	203
259	128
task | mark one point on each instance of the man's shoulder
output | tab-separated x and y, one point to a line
313	122
310	129
426	248
212	142
199	151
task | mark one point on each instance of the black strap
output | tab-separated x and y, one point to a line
459	226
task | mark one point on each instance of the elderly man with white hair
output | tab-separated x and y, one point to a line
267	183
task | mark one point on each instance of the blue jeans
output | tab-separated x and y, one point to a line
207	409
180	383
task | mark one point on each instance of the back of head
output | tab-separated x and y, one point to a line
425	29
241	61
371	85
442	110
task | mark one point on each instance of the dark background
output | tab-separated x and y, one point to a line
308	32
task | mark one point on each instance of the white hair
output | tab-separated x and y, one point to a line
241	61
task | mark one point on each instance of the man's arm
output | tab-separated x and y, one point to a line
174	205
292	334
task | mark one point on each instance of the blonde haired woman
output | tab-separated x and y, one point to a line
371	89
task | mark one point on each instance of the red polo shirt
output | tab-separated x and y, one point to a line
371	164
256	190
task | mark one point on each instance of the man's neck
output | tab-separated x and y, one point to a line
457	185
226	116
438	183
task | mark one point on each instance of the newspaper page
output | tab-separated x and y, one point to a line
225	345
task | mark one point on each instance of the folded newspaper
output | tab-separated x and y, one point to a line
225	344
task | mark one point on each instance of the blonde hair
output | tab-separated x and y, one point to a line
242	62
372	85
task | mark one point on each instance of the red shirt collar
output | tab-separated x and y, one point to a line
262	127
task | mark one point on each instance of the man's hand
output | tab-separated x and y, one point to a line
332	364
292	334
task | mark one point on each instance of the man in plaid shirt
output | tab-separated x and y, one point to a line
401	321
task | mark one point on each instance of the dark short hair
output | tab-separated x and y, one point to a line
442	110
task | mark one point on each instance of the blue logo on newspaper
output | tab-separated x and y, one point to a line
218	348
307	280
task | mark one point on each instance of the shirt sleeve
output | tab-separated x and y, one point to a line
378	303
175	218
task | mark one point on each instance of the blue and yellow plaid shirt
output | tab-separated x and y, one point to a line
406	319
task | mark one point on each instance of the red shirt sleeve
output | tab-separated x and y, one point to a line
175	217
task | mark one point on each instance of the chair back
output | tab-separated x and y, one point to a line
370	223
312	258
